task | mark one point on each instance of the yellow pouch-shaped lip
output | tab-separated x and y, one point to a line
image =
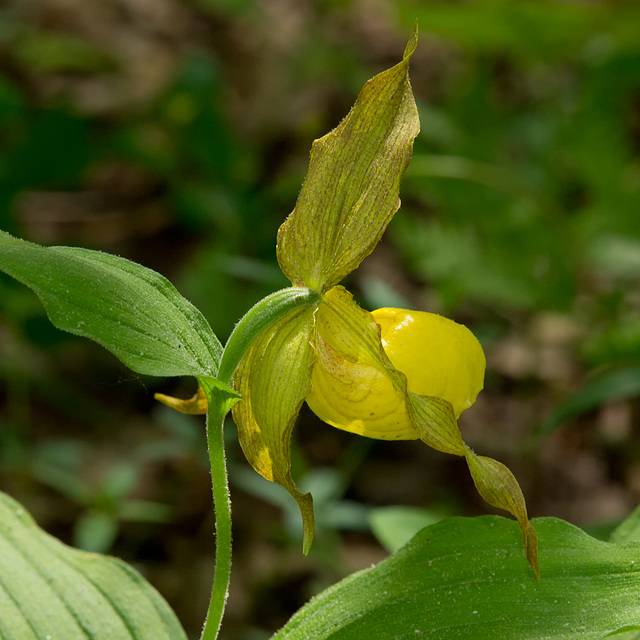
439	357
354	390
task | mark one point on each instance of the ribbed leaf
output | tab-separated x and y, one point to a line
49	590
466	578
134	312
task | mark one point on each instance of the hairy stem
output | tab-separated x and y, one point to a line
219	404
220	399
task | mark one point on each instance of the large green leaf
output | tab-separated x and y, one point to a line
134	312
49	590
468	578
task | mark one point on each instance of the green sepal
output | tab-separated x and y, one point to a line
351	191
273	379
499	487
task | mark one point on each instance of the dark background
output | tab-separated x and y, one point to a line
176	134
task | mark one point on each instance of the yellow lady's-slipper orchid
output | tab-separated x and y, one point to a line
390	374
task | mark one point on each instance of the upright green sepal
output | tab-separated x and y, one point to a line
351	191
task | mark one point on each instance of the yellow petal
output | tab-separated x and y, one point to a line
273	378
439	357
196	405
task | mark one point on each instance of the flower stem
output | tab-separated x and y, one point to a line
220	398
219	404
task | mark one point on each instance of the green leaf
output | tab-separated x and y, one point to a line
628	530
132	311
351	190
626	633
49	590
466	578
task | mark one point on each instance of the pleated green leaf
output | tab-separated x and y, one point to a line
351	191
49	590
134	312
466	578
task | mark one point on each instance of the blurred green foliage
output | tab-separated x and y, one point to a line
177	134
543	115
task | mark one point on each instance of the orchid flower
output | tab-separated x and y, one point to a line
390	374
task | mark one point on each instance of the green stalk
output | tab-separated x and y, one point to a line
220	398
218	406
